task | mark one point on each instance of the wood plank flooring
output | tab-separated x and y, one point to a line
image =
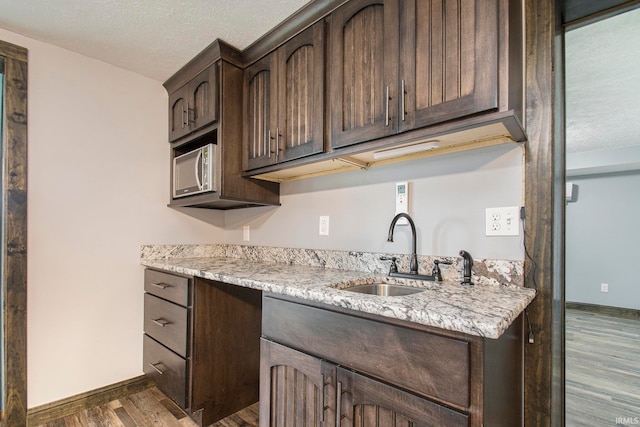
602	382
147	408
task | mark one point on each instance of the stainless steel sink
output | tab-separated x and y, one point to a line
384	289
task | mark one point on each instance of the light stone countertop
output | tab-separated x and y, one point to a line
485	311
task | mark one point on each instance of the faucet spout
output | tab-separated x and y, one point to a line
413	264
467	263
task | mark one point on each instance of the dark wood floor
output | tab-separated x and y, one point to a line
147	408
602	370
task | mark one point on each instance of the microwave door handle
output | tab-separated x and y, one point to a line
198	169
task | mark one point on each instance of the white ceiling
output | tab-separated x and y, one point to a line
151	37
157	37
602	63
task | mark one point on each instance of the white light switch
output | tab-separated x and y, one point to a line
324	226
245	233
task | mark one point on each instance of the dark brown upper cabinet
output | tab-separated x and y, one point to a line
194	105
205	107
403	65
363	60
284	102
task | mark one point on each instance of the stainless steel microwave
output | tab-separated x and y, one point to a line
194	172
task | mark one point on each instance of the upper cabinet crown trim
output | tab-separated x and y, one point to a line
219	49
289	28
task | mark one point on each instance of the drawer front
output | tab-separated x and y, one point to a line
167	323
167	286
431	365
167	369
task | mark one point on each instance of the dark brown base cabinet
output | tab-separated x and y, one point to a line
201	343
323	366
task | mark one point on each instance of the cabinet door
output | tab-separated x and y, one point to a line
363	402
300	94
179	113
295	389
363	78
448	60
260	99
203	91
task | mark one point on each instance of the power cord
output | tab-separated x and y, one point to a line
530	336
534	266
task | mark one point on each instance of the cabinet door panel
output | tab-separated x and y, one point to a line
368	403
295	389
363	74
178	114
448	60
204	94
261	113
300	91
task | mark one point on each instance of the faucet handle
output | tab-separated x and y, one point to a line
436	268
393	268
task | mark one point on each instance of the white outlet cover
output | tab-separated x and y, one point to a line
503	221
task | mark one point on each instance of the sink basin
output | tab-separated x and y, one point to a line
384	289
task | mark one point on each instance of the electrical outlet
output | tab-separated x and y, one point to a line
245	233
503	221
324	226
604	287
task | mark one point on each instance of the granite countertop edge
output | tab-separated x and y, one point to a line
485	311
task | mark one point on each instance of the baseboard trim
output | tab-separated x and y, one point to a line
55	410
625	313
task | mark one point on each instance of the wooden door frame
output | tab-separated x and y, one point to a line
14	236
544	197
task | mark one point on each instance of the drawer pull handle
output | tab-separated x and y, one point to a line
160	285
160	322
386	109
155	366
324	406
339	405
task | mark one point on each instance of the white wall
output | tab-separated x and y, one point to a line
448	193
602	236
97	190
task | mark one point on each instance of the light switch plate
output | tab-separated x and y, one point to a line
324	226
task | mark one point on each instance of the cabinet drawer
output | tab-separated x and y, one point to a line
430	365
167	369
167	323
167	286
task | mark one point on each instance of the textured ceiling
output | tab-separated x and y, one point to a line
157	37
602	63
151	37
